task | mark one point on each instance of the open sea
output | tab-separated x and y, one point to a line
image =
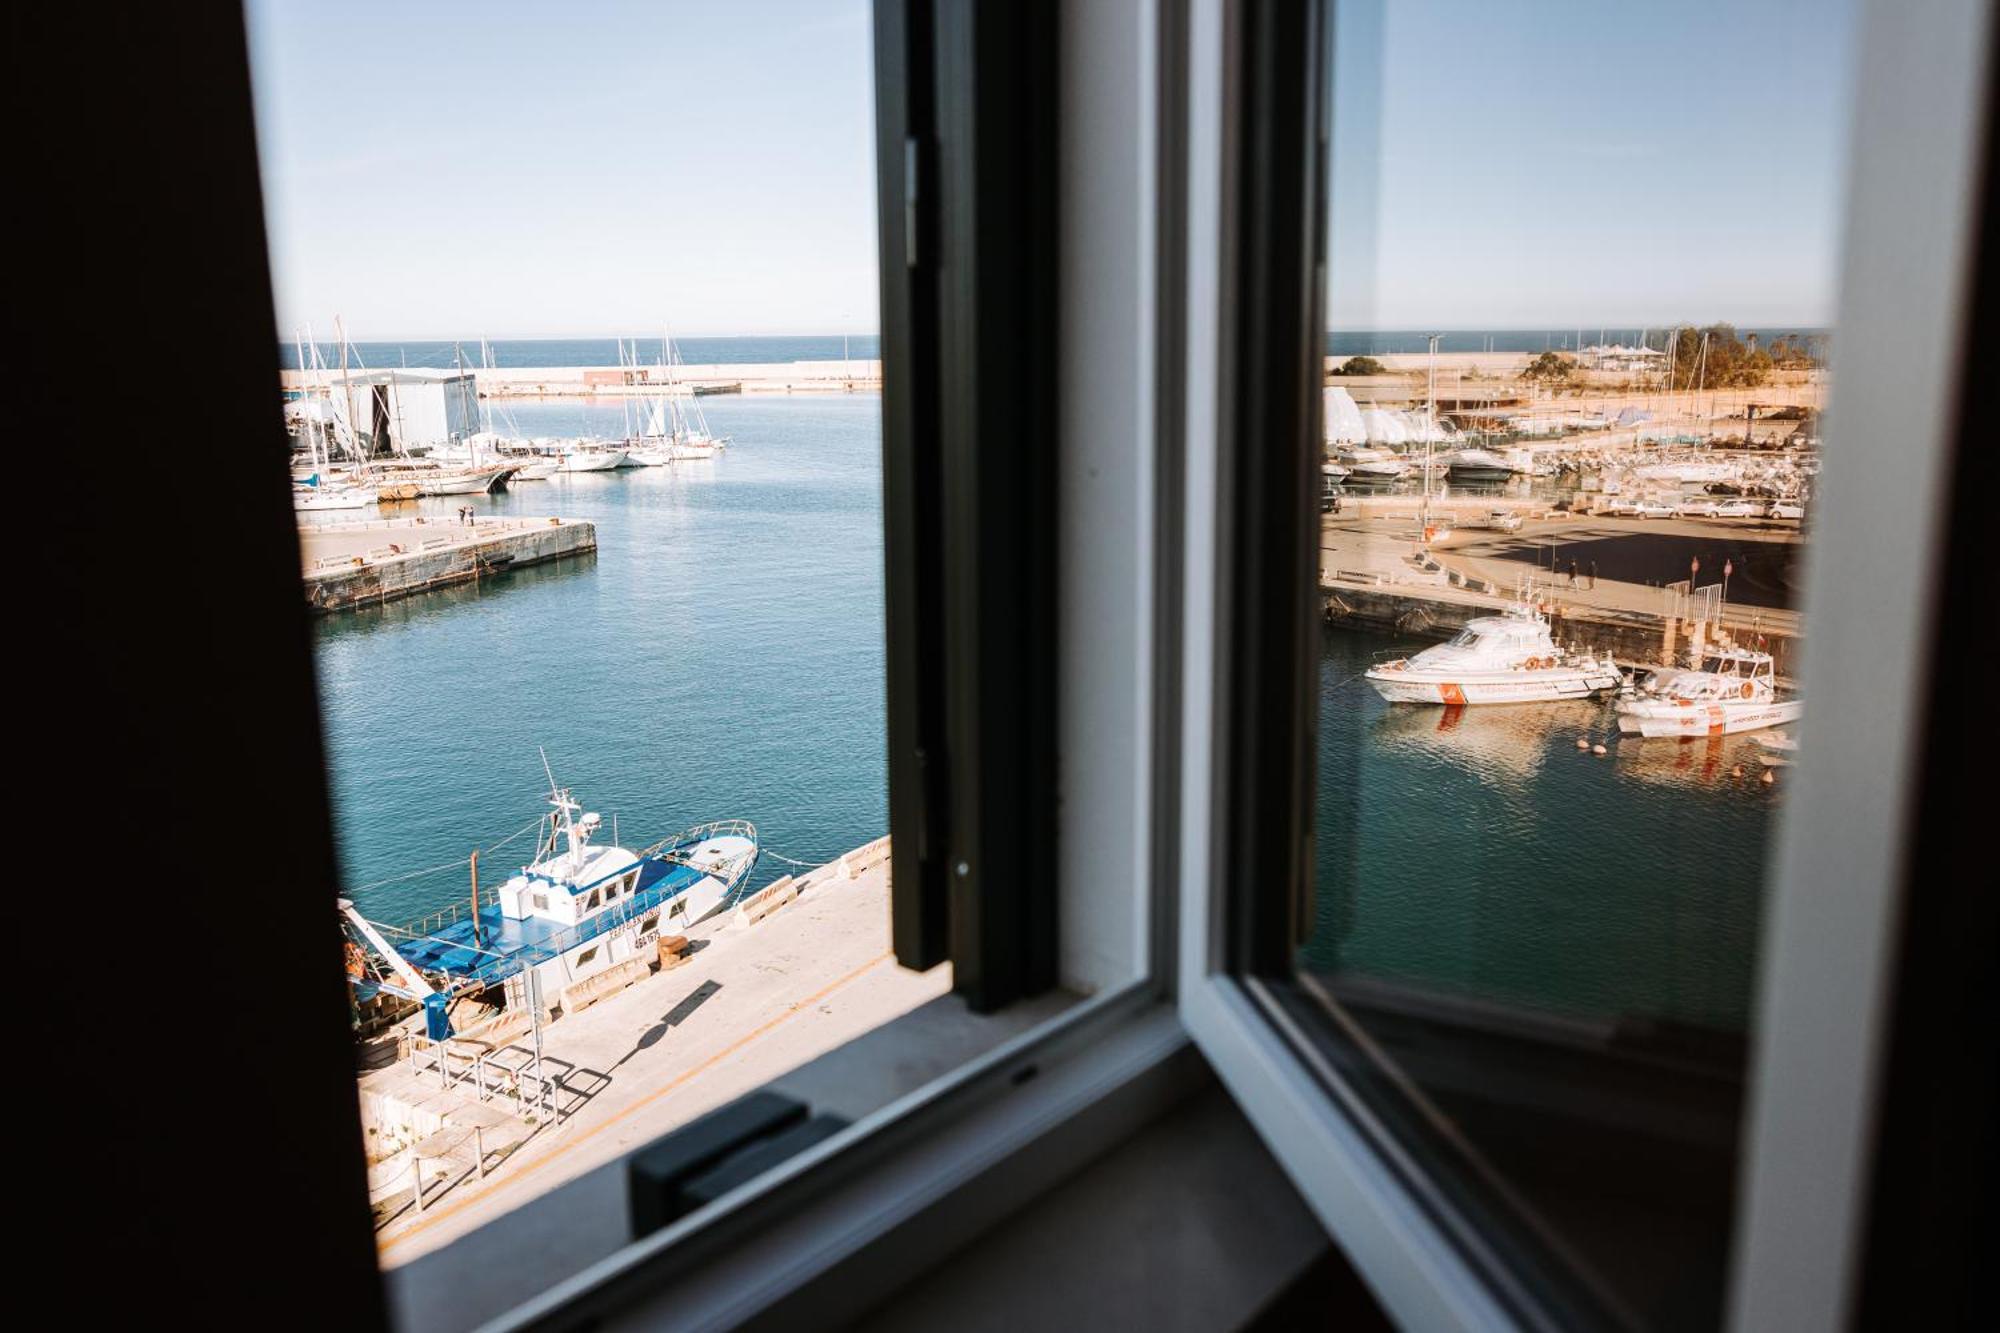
721	656
442	353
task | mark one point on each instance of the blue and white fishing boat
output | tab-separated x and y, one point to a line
575	911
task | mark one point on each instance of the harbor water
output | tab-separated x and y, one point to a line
1478	852
722	656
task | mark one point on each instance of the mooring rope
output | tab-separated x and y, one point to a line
791	861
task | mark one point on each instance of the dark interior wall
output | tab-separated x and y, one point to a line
180	1031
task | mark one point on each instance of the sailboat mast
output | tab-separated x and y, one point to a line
347	384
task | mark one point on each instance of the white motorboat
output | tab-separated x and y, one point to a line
317	496
540	469
590	458
1478	465
1370	466
1504	659
1732	689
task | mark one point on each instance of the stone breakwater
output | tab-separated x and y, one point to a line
349	565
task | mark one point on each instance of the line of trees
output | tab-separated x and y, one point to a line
1727	361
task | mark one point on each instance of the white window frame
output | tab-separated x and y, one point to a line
1919	122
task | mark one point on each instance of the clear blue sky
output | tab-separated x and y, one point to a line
522	170
530	170
1549	163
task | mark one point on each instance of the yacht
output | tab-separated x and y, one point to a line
1369	466
1504	659
536	469
585	456
1478	465
313	495
1730	689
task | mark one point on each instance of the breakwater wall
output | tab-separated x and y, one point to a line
356	564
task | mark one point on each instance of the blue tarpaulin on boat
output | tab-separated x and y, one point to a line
437	1022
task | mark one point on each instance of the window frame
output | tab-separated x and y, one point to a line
847	1221
1807	1136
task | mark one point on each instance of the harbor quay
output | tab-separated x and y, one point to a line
1377	572
793	987
351	564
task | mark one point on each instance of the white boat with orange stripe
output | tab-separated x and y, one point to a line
1504	659
1732	689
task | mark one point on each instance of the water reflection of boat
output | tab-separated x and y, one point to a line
1692	762
1502	743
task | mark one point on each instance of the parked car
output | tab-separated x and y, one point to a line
1785	509
1740	509
1652	509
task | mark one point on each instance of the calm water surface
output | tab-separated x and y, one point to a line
721	656
1478	851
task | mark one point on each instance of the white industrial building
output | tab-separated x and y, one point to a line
402	411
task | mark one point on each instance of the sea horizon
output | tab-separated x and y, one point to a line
778	349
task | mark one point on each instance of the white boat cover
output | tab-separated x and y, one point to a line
1343	418
1384	427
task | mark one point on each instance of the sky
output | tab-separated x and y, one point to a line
1555	163
513	170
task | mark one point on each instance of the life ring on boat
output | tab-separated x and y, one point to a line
1747	690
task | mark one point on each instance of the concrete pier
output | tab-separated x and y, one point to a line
1374	572
364	563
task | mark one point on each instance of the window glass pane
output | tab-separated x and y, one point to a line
1580	289
581	377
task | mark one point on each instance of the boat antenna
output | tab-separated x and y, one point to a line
554	792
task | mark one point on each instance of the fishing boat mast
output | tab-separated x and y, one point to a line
1430	433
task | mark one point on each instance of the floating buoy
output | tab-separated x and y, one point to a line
1598	749
1583	742
1770	776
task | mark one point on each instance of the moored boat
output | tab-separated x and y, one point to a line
1478	465
1731	689
577	910
314	495
1504	659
